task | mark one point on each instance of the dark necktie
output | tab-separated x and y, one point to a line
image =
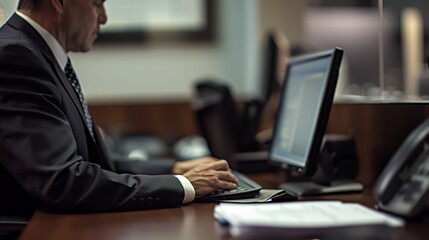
71	76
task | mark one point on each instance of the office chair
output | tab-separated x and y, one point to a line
217	118
11	223
228	135
12	226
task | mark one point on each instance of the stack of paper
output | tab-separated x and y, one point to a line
302	215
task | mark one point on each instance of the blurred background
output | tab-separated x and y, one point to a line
141	74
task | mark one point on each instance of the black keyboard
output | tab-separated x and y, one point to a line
246	188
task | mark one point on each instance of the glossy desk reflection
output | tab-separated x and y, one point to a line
190	222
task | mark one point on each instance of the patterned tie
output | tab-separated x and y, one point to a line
71	76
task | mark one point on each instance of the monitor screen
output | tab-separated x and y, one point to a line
306	101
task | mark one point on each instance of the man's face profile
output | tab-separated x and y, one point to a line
81	23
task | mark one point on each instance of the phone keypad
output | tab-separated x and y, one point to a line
410	190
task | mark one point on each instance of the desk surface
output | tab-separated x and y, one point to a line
190	222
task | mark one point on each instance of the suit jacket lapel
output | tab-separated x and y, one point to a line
18	23
66	84
70	91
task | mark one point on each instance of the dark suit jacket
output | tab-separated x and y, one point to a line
47	156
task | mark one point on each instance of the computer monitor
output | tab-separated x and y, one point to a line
306	101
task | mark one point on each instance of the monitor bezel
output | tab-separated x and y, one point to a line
311	162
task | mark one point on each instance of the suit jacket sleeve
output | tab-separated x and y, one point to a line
153	166
38	146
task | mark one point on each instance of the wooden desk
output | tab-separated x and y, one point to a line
189	222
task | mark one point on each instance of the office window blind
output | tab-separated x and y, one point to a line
156	15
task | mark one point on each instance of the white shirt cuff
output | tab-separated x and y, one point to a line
189	189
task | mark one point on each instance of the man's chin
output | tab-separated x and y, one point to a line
82	49
87	47
86	50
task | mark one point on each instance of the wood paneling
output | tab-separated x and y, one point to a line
378	128
195	221
167	120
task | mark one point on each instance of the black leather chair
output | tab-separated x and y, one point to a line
229	135
12	226
217	118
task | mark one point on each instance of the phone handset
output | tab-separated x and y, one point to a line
401	193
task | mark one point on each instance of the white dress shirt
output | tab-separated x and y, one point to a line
61	57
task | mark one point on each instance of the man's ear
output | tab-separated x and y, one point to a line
58	5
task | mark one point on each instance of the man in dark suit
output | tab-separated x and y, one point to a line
51	155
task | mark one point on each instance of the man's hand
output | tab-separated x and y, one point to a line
180	168
210	177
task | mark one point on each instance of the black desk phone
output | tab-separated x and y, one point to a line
403	186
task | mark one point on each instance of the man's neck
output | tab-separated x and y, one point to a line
48	21
55	46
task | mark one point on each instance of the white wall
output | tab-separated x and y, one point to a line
163	72
126	73
7	7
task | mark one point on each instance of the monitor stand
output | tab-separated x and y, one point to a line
336	169
312	188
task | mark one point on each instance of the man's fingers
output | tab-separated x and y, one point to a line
220	165
227	185
210	177
227	176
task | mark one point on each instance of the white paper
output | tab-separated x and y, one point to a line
298	215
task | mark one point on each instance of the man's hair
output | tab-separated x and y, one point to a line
28	4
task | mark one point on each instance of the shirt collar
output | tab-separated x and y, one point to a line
54	45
